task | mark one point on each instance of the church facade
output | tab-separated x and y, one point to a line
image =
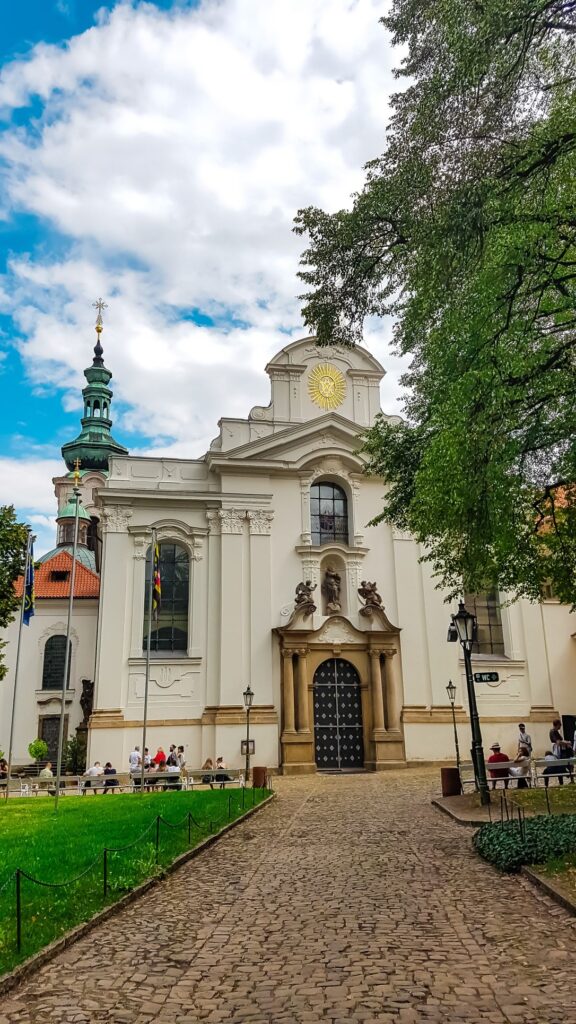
272	575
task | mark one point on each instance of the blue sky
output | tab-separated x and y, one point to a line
155	154
35	420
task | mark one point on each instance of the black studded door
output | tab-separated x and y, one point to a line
338	736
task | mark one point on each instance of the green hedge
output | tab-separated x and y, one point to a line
544	838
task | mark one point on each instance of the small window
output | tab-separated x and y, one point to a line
169	635
53	668
59	575
328	514
489	637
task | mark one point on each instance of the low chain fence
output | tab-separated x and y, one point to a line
28	914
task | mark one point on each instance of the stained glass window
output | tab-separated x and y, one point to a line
169	634
53	667
328	513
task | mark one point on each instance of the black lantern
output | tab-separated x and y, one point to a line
248	697
463	628
451	691
465	624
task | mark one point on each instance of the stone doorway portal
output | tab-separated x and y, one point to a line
338	728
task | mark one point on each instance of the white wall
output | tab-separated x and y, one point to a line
31	701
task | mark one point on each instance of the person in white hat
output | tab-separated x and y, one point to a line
497	757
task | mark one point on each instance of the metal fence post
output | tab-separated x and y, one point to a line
158	819
105	873
18	910
229	806
253	796
189	828
243	796
547	797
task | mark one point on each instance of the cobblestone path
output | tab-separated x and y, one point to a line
349	899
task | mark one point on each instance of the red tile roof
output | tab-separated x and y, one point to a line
86	583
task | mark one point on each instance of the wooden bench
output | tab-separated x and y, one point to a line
505	775
127	782
560	768
215	778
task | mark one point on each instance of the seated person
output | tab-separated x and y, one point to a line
92	772
161	769
553	768
497	757
3	769
208	767
521	767
47	773
221	777
175	781
110	784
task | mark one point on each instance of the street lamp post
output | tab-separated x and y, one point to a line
248	701
451	691
462	629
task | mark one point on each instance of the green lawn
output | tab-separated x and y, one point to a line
562	799
57	847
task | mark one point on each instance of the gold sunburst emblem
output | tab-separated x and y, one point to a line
326	386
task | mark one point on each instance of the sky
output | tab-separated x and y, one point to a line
155	154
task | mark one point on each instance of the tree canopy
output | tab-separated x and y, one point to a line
465	231
12	558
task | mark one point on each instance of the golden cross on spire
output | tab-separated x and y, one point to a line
76	472
99	305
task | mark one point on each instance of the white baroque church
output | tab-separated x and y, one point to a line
271	575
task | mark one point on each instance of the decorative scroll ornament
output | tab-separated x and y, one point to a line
326	386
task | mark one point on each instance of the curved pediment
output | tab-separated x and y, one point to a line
337	629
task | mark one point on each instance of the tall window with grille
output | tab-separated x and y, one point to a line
169	635
489	637
53	666
328	513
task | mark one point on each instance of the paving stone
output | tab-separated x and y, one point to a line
348	899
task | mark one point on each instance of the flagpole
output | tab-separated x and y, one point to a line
76	493
29	541
147	677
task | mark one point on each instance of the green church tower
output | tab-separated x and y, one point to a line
95	444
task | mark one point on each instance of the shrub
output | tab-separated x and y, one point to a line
38	750
75	755
544	838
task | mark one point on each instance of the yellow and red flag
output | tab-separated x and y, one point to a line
156	582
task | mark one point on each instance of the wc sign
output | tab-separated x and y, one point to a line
486	677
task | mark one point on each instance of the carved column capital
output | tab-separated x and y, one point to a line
260	521
225	520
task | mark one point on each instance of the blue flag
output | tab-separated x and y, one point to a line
29	594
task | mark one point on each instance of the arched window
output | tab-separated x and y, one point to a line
329	514
53	668
96	407
489	637
170	632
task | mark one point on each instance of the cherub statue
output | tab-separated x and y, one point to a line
369	592
303	601
304	593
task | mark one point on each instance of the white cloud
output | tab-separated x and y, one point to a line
173	152
27	484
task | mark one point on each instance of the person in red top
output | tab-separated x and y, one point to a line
497	757
161	756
